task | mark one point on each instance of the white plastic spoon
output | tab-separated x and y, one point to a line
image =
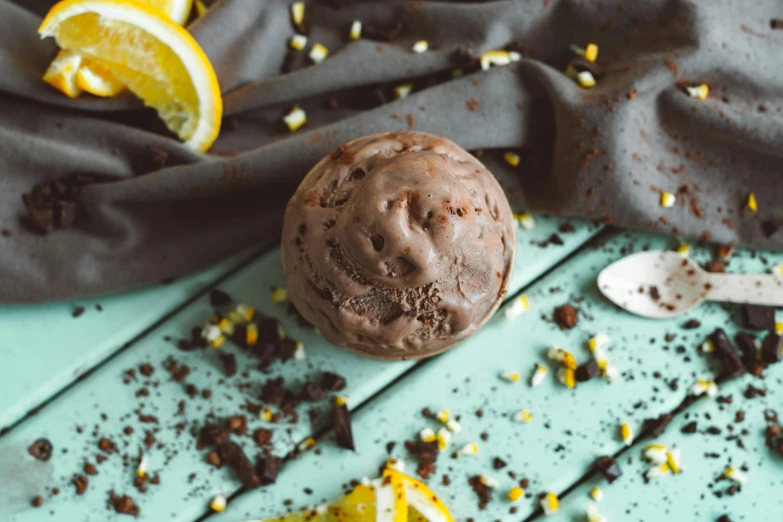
662	285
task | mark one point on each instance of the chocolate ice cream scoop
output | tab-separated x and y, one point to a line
398	245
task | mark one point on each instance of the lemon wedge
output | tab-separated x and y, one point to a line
93	78
423	504
177	10
382	500
152	56
61	73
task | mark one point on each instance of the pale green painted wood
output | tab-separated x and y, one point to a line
43	348
569	428
103	391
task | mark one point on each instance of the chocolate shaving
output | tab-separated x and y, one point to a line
342	427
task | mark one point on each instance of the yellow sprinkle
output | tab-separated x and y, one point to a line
226	326
142	469
563	357
306	444
585	79
420	47
598	341
469	449
265	413
510	376
523	416
280	332
684	249
515	493
298	42
627	434
526	220
299	352
752	205
708	346
218	503
444	438
673	460
597	494
567	377
778	270
518	306
247	312
443	415
656	453
318	53
591	52
497	57
779	328
512	158
356	30
297	12
699	92
402	91
735	475
212	334
340	401
251	334
538	375
427	435
295	118
235	317
201	9
659	471
550	504
668	199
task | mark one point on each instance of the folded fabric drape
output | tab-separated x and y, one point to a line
604	153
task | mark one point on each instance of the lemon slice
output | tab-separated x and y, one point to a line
177	10
93	78
154	57
423	504
61	73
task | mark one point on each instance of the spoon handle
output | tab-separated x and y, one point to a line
746	288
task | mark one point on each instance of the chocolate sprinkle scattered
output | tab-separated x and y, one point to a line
332	382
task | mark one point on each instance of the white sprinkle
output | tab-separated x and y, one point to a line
295	119
318	53
443	415
489	482
708	347
735	475
468	449
395	464
427	435
298	42
444	438
550	504
218	503
597	494
523	416
356	30
280	295
668	199
453	426
211	333
655	453
299	352
509	376
661	470
526	220
402	91
611	372
538	375
598	341
364	481
593	515
420	47
518	306
705	386
142	469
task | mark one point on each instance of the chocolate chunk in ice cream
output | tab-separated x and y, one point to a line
398	245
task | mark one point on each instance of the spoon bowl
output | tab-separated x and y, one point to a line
663	285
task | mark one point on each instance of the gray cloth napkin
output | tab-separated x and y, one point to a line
604	153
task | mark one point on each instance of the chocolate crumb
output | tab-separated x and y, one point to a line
41	449
37	501
609	468
689	428
342	427
565	316
332	382
80	483
123	504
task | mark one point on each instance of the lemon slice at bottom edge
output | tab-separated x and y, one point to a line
154	57
423	504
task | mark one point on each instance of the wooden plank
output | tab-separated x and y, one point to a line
44	348
180	497
570	428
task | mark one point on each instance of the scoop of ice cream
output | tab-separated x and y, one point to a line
398	245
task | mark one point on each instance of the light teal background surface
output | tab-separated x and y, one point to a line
43	350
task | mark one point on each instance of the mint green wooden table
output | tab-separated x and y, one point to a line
64	378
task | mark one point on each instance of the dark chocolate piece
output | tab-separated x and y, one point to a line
758	317
268	468
724	350
229	363
212	435
772	349
608	468
287	348
237	424
498	463
232	455
332	382
312	393
655	427
747	345
587	371
218	298
342	427
268	337
41	449
689	428
262	436
724	518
